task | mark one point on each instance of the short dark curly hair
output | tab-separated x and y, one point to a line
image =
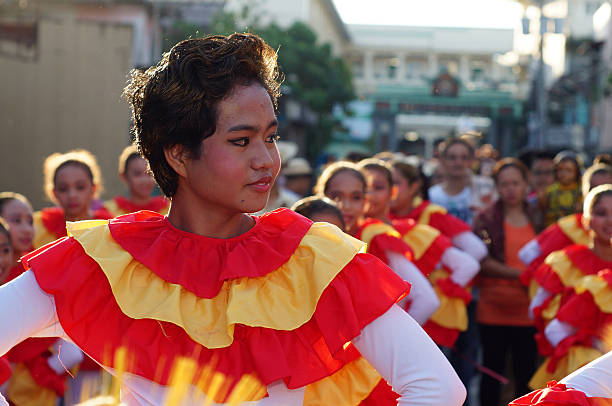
175	102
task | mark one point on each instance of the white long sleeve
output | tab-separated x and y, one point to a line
424	301
32	312
469	243
529	252
594	379
556	331
463	267
405	356
540	296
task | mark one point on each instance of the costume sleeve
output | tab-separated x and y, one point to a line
529	252
556	331
469	243
66	356
423	299
33	311
594	379
463	267
539	298
409	361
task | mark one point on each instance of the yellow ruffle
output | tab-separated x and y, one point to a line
577	357
452	312
292	290
347	387
431	208
599	289
375	229
419	238
551	310
533	288
112	207
23	390
41	235
568	273
572	229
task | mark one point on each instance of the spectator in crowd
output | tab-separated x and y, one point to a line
298	176
564	197
541	172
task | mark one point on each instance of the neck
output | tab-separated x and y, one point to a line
602	249
454	186
139	200
193	217
405	209
87	215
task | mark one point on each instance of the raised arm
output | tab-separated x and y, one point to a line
404	355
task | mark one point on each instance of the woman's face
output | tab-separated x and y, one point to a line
347	190
601	178
18	215
6	256
405	191
238	164
511	186
600	221
378	193
74	191
139	180
566	172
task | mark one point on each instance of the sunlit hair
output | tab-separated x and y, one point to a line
332	170
596	169
603	159
175	102
77	157
448	143
127	155
594	197
509	163
313	205
408	171
373	164
7	197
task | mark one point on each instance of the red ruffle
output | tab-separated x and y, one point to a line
451	289
29	349
431	257
88	313
553	239
205	263
156	204
44	376
555	394
441	335
54	221
447	224
381	395
5	370
381	243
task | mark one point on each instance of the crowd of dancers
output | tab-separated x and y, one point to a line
383	287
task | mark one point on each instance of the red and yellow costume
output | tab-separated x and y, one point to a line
381	237
566	231
437	217
589	310
428	245
557	394
278	302
50	224
122	205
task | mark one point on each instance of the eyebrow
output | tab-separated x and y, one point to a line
252	128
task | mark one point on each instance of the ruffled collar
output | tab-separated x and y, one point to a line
403	225
363	225
201	264
585	259
54	221
156	203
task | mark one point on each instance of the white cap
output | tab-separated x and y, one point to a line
297	167
287	150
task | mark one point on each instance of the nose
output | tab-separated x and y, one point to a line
264	156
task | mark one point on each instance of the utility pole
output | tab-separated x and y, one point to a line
541	91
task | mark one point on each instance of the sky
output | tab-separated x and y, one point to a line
456	13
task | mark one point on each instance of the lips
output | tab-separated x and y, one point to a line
262	184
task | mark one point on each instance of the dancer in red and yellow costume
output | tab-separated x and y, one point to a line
564	273
449	269
134	172
566	231
38	376
73	181
345	184
407	204
274	300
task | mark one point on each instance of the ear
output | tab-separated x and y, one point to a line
177	157
393	192
414	188
123	178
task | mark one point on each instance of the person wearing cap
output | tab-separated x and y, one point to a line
298	177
